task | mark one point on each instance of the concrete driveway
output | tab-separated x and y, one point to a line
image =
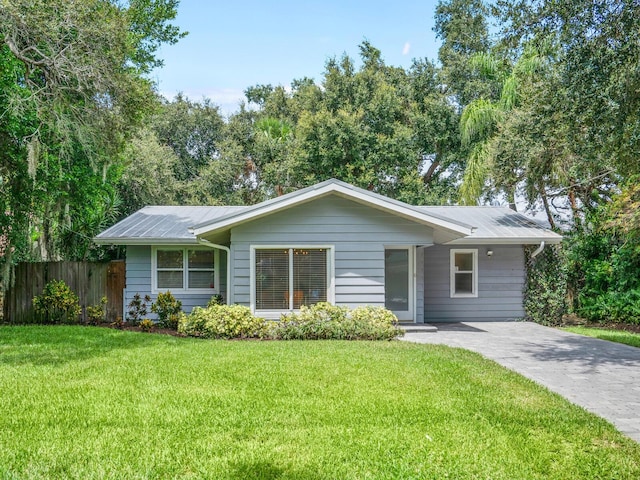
601	376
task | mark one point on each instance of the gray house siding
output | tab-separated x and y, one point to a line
501	279
138	277
358	234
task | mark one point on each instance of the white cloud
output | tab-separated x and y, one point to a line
406	48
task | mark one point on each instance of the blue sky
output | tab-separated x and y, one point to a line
236	44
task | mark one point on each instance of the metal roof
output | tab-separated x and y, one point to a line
161	224
176	224
496	225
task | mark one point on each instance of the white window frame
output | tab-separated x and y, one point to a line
275	314
452	273
185	270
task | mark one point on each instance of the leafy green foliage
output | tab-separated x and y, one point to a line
72	92
137	308
168	309
96	313
216	299
57	303
146	325
324	321
545	292
222	321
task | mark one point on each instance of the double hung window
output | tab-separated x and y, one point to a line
464	273
184	269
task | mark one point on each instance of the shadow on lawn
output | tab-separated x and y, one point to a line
59	344
267	471
590	352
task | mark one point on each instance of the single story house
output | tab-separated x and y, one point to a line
337	243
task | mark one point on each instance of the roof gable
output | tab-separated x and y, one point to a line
333	187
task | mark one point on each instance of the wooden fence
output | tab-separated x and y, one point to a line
90	281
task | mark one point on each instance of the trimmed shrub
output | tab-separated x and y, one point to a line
324	321
375	323
222	321
58	303
168	308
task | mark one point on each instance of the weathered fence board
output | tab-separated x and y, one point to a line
90	281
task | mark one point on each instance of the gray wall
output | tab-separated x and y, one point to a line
359	234
138	280
501	279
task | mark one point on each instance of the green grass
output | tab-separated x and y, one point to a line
82	402
619	336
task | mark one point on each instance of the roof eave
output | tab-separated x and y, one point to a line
551	240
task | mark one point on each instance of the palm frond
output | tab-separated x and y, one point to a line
475	174
509	94
478	120
486	64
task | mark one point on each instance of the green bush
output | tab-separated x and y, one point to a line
96	313
611	306
324	321
545	292
222	321
146	325
215	300
137	308
168	308
57	304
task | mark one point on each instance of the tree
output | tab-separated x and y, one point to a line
73	91
462	27
192	130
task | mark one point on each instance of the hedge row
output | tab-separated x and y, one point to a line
322	321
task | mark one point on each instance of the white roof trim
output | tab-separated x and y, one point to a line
331	187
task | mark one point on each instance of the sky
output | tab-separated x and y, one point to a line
233	45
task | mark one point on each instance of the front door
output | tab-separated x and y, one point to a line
398	282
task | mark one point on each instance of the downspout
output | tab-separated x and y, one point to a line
207	243
538	250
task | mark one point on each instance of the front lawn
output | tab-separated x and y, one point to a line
619	336
83	402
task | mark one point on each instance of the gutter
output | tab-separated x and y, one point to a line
207	243
538	250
